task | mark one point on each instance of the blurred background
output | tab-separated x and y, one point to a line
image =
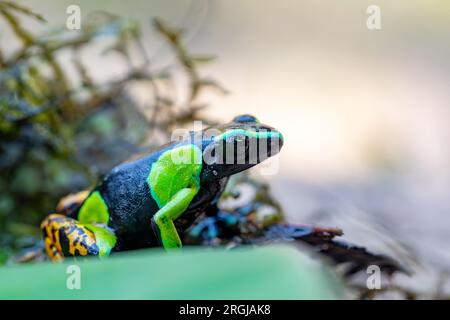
365	113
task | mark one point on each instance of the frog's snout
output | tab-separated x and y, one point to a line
274	143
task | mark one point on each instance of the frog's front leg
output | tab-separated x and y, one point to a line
64	236
173	181
162	221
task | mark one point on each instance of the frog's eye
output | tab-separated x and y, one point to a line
245	118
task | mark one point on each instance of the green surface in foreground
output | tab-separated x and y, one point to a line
277	272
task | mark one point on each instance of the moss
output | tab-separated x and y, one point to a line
58	137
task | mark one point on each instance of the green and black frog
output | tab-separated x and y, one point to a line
148	202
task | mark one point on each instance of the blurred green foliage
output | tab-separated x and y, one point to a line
279	272
58	137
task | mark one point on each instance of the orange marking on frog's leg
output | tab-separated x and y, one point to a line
71	201
49	242
51	251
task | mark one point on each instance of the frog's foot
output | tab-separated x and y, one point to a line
64	236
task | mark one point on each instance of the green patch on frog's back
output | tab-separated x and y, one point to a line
94	210
174	170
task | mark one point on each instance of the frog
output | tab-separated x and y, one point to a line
150	201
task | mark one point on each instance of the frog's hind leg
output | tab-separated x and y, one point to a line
68	204
64	236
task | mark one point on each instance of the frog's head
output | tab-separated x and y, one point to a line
239	145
